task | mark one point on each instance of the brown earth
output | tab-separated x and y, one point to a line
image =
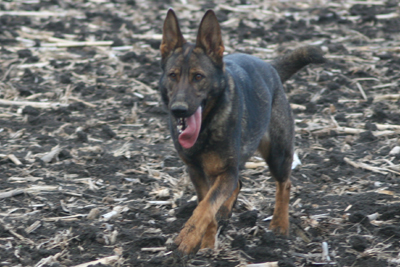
88	171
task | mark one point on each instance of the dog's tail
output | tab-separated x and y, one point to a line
291	63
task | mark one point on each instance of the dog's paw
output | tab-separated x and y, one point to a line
176	259
171	245
187	250
188	241
187	246
280	227
208	242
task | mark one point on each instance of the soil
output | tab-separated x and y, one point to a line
94	175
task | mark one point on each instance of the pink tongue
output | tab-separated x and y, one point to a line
189	136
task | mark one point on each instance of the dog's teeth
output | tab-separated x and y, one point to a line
181	125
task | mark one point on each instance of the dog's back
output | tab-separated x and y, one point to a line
259	84
255	83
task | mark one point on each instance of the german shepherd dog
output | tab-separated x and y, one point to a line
222	109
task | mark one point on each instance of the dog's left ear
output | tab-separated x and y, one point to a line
209	37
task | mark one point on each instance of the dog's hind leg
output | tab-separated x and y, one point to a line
276	147
280	220
279	163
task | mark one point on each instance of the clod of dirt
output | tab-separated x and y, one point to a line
82	137
87	234
268	239
366	137
341	117
262	254
239	242
331	97
117	42
391	212
390	231
57	26
88	90
379	115
336	158
370	126
359	243
326	16
64	154
286	263
28	59
24	53
127	101
248	218
129	57
300	98
36	120
30	77
337	48
108	132
311	108
333	86
65	78
155	241
172	161
3	231
29	110
76	106
359	217
186	210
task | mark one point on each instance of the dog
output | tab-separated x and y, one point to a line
221	110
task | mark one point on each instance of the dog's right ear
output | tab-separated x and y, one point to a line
172	36
209	37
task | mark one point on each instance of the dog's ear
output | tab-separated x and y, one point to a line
172	36
209	37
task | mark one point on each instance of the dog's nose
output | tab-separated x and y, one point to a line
179	109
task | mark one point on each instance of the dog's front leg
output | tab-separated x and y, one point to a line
203	222
224	213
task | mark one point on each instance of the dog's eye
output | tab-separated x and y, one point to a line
172	76
198	77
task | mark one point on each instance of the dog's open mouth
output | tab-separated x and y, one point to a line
181	125
189	129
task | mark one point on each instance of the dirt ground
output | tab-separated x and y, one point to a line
88	173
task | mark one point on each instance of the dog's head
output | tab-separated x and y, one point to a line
192	74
